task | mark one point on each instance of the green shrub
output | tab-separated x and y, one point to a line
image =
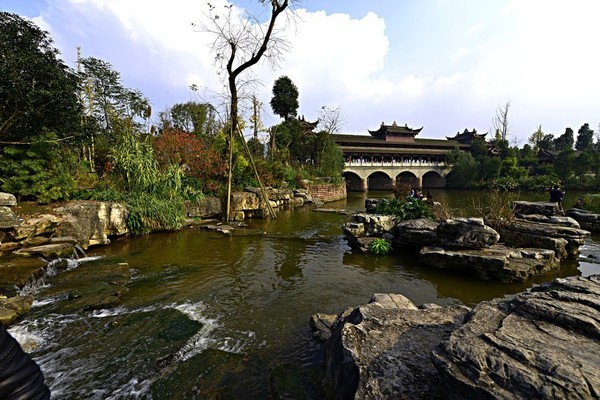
148	213
591	202
403	210
380	247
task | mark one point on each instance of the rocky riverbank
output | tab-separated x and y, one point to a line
542	343
28	245
532	243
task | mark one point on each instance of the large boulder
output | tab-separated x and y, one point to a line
382	350
376	224
92	222
540	344
495	262
415	232
207	207
587	220
8	219
469	233
42	225
7	200
563	240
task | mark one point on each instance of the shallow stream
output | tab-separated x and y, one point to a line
204	315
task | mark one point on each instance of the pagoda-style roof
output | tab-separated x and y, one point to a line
395	132
307	126
371	144
467	136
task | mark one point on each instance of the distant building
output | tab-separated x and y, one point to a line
392	155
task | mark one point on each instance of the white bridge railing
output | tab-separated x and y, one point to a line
411	163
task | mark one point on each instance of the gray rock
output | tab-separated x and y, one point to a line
8	219
415	232
544	343
458	232
495	262
92	222
7	199
536	207
469	233
44	224
13	307
563	240
553	219
586	219
208	207
381	351
48	251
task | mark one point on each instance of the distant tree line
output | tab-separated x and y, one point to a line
545	160
69	133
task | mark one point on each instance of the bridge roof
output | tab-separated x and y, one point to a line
370	141
411	151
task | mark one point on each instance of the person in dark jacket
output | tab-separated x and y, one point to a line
20	377
556	195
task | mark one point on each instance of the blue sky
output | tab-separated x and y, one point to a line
445	65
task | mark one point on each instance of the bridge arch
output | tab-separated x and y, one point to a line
407	178
354	182
379	180
433	179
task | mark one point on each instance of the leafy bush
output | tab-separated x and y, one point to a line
403	210
380	247
591	202
40	171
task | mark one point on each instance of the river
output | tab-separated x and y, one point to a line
210	316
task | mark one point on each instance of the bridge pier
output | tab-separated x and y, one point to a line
420	182
365	184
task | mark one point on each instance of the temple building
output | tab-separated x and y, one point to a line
393	155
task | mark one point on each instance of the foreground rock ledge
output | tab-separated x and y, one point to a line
544	343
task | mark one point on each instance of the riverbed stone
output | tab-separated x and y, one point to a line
544	343
496	262
207	207
48	252
466	233
587	220
91	223
552	219
383	351
44	224
415	232
7	199
13	307
241	201
8	219
563	240
536	207
375	224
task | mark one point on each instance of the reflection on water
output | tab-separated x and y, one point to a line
204	315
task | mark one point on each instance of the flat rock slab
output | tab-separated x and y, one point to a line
496	262
541	344
49	252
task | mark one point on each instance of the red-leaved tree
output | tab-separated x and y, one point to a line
202	161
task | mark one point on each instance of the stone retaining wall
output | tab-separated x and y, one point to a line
327	192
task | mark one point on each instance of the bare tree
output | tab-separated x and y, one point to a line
331	119
501	121
239	44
